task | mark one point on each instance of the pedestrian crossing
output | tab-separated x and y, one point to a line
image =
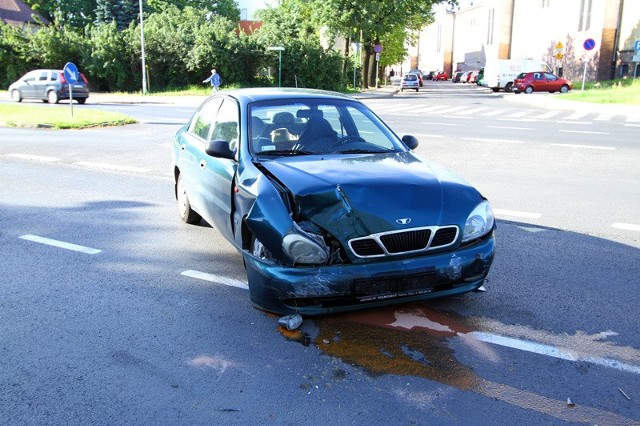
461	111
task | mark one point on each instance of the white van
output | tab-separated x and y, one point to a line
500	73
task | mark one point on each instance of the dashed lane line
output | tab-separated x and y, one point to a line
60	244
219	279
568	145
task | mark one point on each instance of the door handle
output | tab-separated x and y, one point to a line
203	164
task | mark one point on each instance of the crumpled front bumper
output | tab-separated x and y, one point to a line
320	290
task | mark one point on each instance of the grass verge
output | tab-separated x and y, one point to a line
607	92
59	118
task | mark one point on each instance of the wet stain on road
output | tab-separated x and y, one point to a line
385	341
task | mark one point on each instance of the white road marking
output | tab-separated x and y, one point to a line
215	279
60	244
492	140
585	123
443	124
520	114
605	116
632	125
552	351
587	132
42	158
493	113
626	226
113	167
510	128
568	145
515	213
576	116
547	115
427	136
531	229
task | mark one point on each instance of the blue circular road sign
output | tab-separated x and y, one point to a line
589	44
71	73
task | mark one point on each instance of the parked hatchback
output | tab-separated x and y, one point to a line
540	81
49	86
410	81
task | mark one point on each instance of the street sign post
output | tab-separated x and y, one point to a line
636	57
378	49
72	75
278	49
588	45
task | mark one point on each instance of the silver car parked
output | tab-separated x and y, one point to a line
48	86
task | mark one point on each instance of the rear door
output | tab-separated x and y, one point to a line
41	84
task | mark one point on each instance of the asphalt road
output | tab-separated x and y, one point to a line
115	312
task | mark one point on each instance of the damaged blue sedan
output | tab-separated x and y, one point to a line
330	209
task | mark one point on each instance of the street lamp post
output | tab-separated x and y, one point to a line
279	49
144	68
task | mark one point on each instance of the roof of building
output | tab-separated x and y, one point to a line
247	27
17	13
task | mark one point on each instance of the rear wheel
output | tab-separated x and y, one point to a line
81	101
184	207
528	90
52	97
564	89
16	95
508	87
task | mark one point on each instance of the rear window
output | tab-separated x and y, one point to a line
410	77
521	75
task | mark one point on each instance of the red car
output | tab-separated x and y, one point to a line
442	76
540	81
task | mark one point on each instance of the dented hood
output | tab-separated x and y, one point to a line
356	195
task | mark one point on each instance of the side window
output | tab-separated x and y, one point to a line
30	77
54	76
226	123
550	77
43	76
202	123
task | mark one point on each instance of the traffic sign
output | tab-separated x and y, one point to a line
589	44
636	47
377	48
558	50
71	73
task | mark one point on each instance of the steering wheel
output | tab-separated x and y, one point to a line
347	140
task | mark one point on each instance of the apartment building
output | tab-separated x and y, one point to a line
463	37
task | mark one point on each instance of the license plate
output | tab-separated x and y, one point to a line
77	86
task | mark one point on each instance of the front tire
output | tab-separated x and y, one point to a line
564	89
52	97
187	214
16	95
81	101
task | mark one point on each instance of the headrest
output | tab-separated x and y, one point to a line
283	117
307	113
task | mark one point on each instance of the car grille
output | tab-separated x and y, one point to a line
395	243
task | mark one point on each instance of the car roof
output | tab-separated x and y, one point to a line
274	93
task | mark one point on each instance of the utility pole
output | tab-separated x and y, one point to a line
144	67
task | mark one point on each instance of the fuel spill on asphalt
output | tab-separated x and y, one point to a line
416	340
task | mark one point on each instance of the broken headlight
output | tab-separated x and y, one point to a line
304	247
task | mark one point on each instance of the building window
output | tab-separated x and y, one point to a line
545	3
439	43
491	25
244	15
585	15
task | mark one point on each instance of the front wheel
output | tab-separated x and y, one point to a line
187	214
564	89
52	97
81	101
528	90
16	95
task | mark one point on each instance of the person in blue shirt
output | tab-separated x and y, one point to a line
215	81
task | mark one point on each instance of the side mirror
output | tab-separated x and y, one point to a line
219	148
410	141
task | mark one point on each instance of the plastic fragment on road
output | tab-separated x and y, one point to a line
570	403
625	395
291	321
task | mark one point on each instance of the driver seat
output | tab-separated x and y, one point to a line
318	136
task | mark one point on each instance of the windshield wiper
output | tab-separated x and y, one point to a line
285	152
361	151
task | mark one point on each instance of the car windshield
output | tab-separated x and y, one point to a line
317	126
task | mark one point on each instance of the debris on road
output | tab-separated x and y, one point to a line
291	321
625	395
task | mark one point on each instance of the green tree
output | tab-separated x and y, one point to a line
225	8
65	13
13	43
112	61
122	12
